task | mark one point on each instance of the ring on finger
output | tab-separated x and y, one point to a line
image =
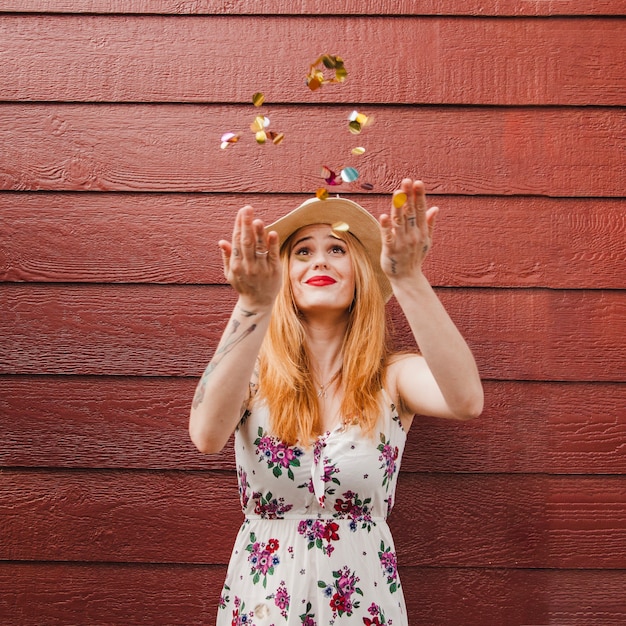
261	252
411	220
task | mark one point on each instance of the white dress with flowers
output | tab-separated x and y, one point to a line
314	548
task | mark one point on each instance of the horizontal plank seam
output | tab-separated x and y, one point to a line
44	469
184	564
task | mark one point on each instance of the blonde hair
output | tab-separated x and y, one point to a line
285	381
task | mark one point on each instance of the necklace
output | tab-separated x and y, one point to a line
323	388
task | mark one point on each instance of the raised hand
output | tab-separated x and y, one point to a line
406	231
251	260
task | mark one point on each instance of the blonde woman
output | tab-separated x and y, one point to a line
320	408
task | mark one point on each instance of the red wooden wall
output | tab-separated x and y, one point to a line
114	191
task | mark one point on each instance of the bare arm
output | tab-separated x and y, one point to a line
224	386
444	380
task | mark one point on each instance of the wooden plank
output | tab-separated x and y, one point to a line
125	595
439	519
322	7
484	61
468	150
110	422
155	330
172	238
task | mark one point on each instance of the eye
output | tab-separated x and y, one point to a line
302	251
338	249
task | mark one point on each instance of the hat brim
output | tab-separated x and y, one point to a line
362	225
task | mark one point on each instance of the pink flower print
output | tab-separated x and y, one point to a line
388	456
262	559
378	617
355	509
269	507
244	487
389	563
317	532
277	454
240	617
340	592
282	599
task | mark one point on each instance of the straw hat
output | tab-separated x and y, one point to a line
361	224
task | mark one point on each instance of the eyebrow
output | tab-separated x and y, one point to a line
330	236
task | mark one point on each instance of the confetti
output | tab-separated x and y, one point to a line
349	174
260	123
340	227
275	137
367	186
358	150
260	136
258	99
227	139
322	194
399	199
329	176
358	121
316	78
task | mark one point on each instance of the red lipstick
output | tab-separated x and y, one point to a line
321	281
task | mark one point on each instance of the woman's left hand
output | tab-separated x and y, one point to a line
407	231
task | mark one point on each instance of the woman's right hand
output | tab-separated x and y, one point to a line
251	260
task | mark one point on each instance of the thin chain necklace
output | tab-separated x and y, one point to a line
323	388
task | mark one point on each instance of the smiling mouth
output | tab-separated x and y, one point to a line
321	281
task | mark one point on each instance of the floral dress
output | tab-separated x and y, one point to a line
314	548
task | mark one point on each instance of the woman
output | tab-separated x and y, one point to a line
320	409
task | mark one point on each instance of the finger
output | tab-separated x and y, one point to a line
261	249
418	202
431	218
386	230
273	245
248	243
226	251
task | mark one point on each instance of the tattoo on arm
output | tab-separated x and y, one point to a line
394	266
221	352
247	313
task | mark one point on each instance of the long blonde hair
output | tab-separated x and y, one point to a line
285	381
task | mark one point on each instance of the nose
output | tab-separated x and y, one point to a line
319	259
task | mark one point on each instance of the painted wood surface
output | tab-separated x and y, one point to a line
146	330
478	8
415	60
168	147
113	192
569	243
182	594
137	422
172	517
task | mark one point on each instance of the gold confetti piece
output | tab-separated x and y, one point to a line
315	78
361	118
258	99
340	227
358	150
322	194
275	137
260	122
260	136
349	175
399	199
